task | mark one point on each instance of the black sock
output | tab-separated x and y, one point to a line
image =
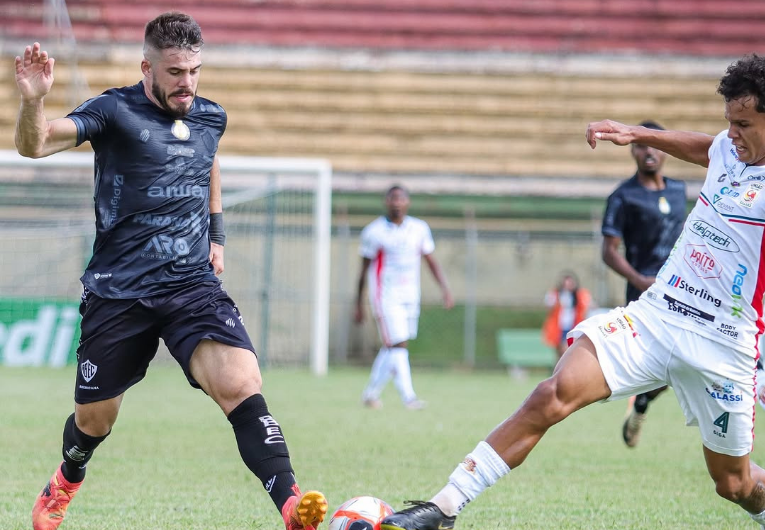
263	448
641	403
77	450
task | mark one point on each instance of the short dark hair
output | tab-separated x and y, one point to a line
650	124
745	77
173	30
397	187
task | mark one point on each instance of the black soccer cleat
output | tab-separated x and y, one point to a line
421	516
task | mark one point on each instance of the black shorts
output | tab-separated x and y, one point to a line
120	337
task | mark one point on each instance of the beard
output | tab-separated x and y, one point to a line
164	101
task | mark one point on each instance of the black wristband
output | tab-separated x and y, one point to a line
217	234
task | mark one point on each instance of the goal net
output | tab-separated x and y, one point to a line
277	218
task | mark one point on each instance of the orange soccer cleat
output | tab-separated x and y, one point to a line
304	511
51	504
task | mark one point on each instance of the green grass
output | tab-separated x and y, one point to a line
172	464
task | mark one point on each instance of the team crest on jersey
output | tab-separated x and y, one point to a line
751	194
664	205
180	130
88	370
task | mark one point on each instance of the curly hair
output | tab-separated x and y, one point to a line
173	30
745	77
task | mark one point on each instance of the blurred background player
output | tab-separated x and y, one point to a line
158	247
392	248
646	213
568	305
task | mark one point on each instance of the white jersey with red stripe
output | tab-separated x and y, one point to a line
714	279
396	252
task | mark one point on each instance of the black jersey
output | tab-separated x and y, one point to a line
647	221
152	187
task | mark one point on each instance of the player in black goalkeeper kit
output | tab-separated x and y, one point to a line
646	212
157	252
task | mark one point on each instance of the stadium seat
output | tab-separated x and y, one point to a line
523	348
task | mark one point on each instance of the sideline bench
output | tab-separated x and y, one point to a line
523	348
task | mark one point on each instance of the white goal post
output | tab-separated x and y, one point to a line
276	210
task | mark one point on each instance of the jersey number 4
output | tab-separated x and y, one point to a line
722	422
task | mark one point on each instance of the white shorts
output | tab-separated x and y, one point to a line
714	384
396	323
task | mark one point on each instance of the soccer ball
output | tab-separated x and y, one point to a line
360	513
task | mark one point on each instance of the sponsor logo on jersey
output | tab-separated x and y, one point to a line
678	283
736	294
729	330
162	221
751	194
688	310
725	391
179	150
168	192
722	205
165	247
618	325
702	262
713	236
725	190
114	202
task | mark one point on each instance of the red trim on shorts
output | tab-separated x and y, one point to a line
379	259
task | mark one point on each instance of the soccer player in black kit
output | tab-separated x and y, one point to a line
646	212
158	248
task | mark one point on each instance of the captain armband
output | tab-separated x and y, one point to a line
217	233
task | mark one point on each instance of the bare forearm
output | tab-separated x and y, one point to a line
689	146
31	128
621	266
360	289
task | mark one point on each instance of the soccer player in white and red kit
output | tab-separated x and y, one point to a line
392	247
695	329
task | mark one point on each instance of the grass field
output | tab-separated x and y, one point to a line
172	464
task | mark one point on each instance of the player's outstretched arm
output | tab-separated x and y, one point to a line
35	136
690	146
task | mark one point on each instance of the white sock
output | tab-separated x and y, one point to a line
379	376
480	470
399	361
758	517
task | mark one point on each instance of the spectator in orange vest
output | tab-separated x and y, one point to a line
568	304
